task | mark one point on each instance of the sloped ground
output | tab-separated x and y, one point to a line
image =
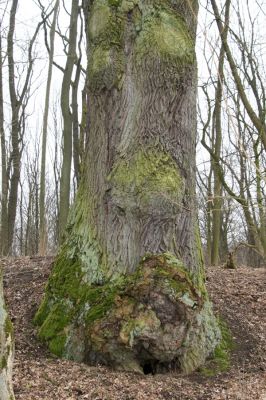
239	296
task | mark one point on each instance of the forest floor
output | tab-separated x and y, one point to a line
239	296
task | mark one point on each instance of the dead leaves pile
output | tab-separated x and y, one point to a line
238	295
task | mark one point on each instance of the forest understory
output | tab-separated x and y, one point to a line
239	297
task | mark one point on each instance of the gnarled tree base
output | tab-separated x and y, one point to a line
154	320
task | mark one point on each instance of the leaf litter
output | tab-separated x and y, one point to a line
239	297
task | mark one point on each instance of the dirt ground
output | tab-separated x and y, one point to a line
239	296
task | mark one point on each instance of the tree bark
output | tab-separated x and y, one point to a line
217	186
75	124
132	238
209	219
15	126
67	120
260	197
6	349
4	188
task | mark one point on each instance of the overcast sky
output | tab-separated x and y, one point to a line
29	15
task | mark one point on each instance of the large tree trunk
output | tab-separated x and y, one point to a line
6	350
107	300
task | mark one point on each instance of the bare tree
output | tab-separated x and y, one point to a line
4	189
255	117
237	166
217	145
43	233
18	104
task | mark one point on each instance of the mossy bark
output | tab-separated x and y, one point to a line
6	350
137	197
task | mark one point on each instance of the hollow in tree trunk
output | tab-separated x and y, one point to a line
127	288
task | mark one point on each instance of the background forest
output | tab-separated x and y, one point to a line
43	104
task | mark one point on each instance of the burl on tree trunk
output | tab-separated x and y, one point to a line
6	350
127	288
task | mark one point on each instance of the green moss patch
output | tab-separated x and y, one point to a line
99	20
105	25
165	35
106	61
9	330
68	296
3	363
220	361
57	344
147	180
147	169
159	33
122	314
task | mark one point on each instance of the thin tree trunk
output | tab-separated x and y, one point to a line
77	135
36	232
67	120
4	191
209	219
217	189
21	239
28	223
15	127
43	233
83	123
260	198
75	121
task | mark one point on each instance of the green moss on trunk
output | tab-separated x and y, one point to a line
6	348
220	359
149	180
165	35
160	33
149	315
